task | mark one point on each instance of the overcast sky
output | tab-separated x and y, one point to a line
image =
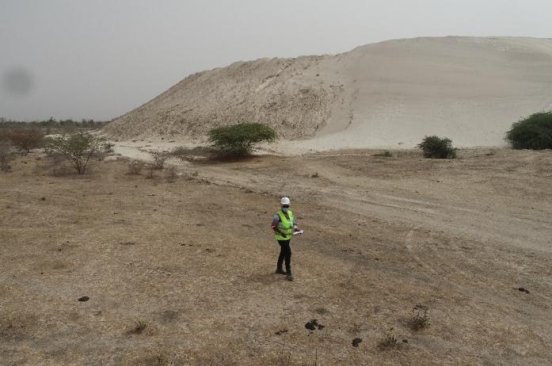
101	58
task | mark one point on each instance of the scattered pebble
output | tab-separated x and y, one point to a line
84	299
43	199
356	342
280	332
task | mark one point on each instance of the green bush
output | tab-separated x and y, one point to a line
534	132
437	148
77	148
239	140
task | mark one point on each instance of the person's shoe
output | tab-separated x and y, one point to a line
289	277
279	271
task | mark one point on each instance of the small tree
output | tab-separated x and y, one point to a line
77	148
534	132
26	139
437	148
239	140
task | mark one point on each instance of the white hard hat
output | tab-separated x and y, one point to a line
285	201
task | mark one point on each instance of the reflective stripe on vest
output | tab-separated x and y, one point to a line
285	226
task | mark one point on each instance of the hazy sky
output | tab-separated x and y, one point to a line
100	58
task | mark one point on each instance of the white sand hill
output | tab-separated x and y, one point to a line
388	94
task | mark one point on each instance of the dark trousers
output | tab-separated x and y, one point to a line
285	255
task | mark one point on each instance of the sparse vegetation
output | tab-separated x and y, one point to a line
6	156
192	154
534	132
139	327
435	147
170	174
135	167
239	140
152	237
150	171
25	139
76	148
52	126
108	147
389	341
159	158
385	154
420	318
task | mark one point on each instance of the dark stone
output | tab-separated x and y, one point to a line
523	289
84	299
310	326
313	325
356	342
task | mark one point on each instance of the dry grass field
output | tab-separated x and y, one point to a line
181	272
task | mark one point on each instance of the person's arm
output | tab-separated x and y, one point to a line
275	222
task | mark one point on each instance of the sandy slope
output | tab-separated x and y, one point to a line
388	94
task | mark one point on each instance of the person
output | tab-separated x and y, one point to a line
284	225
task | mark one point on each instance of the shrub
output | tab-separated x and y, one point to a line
26	139
108	148
239	140
159	159
191	154
437	148
420	318
77	148
171	174
6	156
534	132
135	167
151	171
385	154
139	327
388	341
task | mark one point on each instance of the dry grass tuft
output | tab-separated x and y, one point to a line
389	341
420	318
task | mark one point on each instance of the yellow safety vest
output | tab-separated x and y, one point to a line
285	225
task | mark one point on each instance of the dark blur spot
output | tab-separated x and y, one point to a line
17	81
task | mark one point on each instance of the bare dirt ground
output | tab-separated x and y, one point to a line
181	273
